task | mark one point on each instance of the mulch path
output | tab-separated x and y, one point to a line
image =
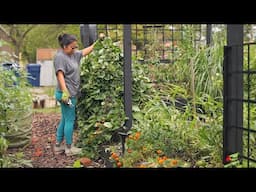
40	150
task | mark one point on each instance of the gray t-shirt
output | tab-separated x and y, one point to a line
70	65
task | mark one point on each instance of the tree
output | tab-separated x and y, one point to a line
15	35
46	36
26	39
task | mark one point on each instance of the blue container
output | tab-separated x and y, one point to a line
34	74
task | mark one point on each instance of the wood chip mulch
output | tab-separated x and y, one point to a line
40	149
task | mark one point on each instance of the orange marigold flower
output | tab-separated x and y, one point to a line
114	155
137	135
164	158
174	162
119	164
161	161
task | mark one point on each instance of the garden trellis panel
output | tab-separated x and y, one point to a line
239	97
156	40
240	131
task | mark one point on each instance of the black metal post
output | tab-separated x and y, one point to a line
127	75
92	33
88	34
233	91
84	34
208	34
127	83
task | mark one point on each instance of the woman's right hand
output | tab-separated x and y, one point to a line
65	96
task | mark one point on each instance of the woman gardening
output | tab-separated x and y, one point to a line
66	64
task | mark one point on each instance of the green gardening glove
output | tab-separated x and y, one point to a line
65	96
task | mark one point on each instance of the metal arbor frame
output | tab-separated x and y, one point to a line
233	88
89	35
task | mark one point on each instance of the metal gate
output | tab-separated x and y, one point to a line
239	133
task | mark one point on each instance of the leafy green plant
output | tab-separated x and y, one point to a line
101	105
15	104
200	64
100	108
15	107
160	126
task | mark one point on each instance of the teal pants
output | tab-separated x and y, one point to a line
66	126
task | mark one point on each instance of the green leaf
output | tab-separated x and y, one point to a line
135	108
137	116
108	125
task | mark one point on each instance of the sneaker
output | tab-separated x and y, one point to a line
59	149
69	151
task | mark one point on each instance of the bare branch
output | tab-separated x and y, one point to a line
25	32
4	31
